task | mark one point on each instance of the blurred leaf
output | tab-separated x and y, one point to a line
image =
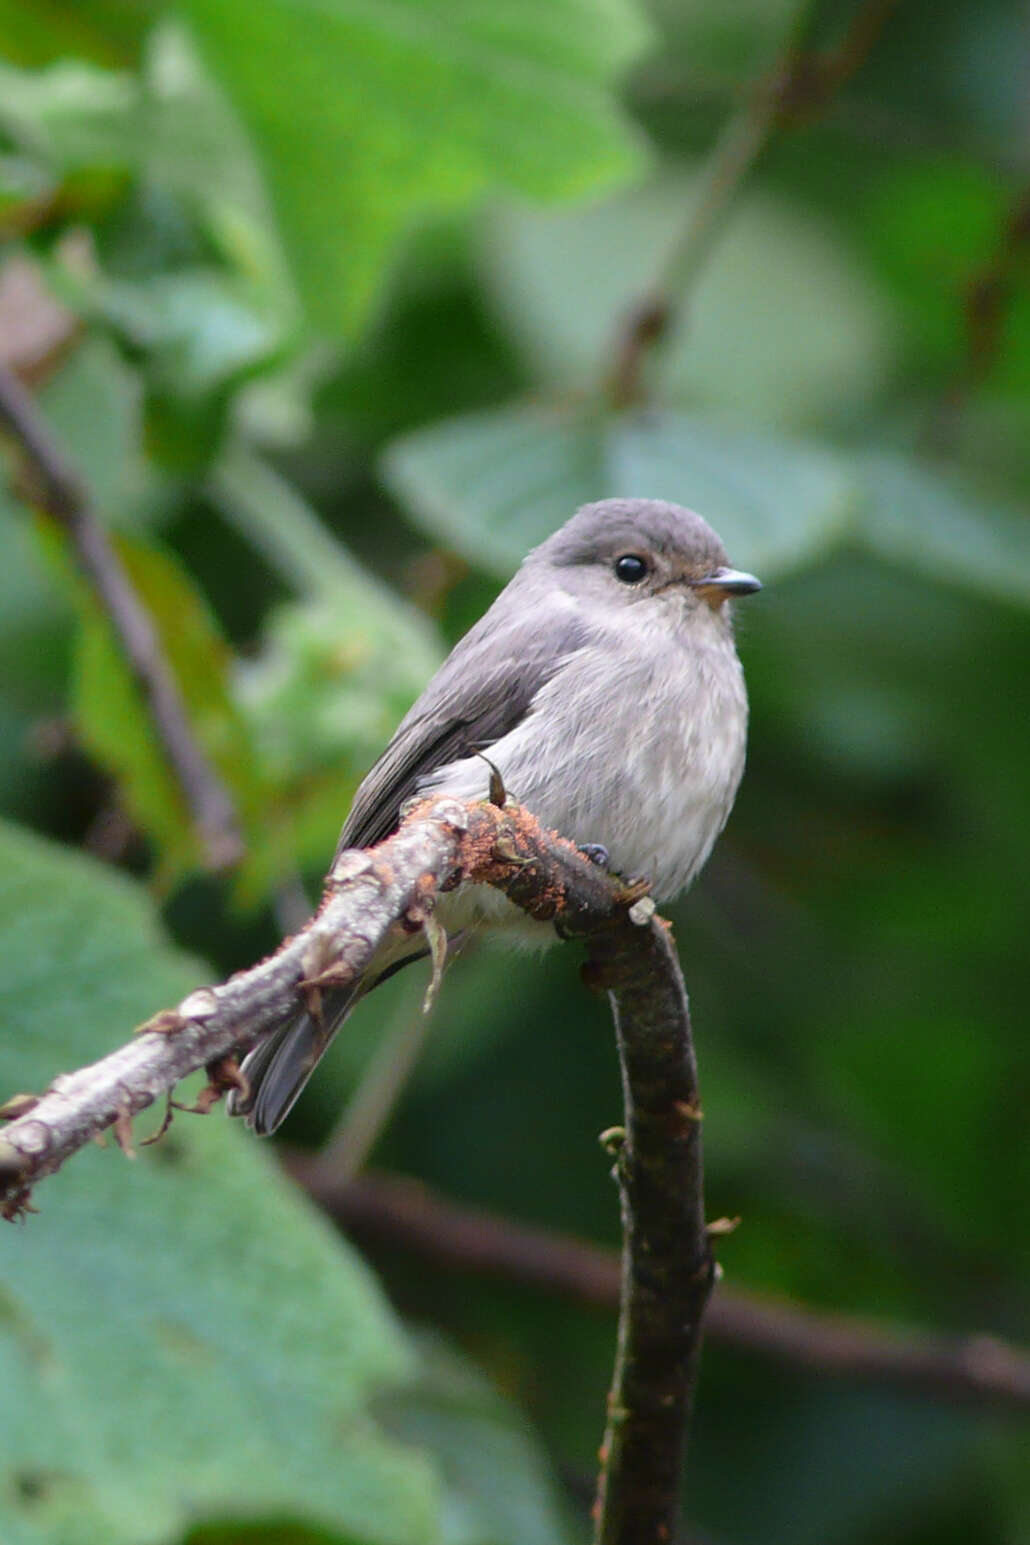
921	519
197	146
179	1337
725	43
114	721
493	485
200	327
33	652
951	71
107	31
785	327
932	225
336	671
498	1487
174	129
93	406
72	114
387	112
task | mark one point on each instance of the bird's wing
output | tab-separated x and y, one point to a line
484	689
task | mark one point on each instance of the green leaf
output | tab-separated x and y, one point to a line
499	1489
391	109
197	146
114	721
72	114
201	327
336	671
785	328
107	31
925	520
180	1339
94	407
173	128
492	485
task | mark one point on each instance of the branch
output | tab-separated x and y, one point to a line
441	843
55	487
978	1370
368	894
667	1264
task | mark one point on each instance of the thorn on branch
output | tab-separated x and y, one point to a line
224	1075
165	1022
122	1127
16	1205
166	1121
436	938
18	1105
496	792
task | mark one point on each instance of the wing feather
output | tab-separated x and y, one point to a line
481	692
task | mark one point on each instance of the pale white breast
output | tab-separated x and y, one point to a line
637	743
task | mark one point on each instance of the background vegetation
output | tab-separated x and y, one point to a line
325	301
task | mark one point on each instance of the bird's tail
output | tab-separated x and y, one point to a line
277	1069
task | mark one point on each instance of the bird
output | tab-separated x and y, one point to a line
603	686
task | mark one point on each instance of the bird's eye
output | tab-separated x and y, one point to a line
630	568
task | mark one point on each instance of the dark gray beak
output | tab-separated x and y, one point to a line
730	582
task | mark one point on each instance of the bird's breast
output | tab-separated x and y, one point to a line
637	744
641	751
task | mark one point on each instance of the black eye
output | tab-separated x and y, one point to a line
630	568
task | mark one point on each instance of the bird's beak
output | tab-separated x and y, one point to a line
726	582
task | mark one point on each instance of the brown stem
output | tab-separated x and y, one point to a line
57	490
396	1212
667	1263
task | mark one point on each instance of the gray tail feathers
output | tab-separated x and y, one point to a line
277	1069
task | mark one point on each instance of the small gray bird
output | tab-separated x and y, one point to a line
604	686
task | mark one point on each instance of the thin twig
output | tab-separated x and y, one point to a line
667	1263
801	83
53	485
397	1212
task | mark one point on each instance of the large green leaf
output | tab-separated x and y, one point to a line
94	406
114	721
499	1489
370	113
179	1338
492	485
785	327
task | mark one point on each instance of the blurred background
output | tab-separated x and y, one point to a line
338	308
